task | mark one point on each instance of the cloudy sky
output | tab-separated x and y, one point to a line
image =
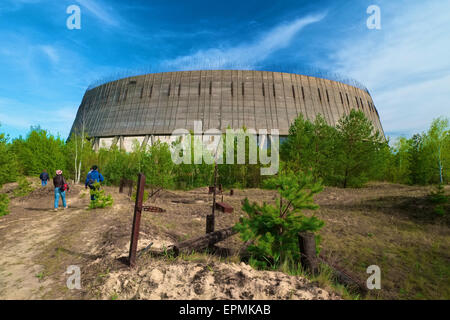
45	68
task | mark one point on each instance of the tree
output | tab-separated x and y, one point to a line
79	153
400	166
273	229
189	174
420	160
298	147
323	151
38	151
101	199
357	144
437	142
79	145
158	166
235	174
117	166
310	146
8	162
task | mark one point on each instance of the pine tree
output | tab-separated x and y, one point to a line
273	229
101	199
357	145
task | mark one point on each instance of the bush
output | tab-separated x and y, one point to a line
440	200
119	165
273	230
24	188
101	200
4	202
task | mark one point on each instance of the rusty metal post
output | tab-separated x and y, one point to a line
308	255
136	220
121	186
209	223
130	188
210	218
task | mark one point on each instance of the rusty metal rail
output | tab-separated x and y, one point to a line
153	209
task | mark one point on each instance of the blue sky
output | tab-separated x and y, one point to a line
45	68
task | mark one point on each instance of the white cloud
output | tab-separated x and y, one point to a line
51	53
405	65
245	54
101	11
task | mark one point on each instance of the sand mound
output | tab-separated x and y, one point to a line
187	280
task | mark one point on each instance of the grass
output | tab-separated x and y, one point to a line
413	256
103	275
40	275
24	188
114	296
440	200
324	278
391	226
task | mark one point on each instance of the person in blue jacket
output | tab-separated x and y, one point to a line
93	177
44	178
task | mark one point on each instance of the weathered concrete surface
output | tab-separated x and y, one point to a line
156	104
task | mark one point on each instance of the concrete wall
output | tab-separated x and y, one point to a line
157	104
128	143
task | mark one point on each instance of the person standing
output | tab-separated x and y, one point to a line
93	177
44	178
60	189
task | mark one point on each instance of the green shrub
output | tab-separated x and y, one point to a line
438	196
4	202
24	188
440	200
101	200
273	230
440	210
8	161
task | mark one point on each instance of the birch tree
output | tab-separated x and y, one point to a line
438	143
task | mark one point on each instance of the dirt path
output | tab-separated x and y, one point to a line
24	235
38	244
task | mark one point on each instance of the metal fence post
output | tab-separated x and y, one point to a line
308	255
136	220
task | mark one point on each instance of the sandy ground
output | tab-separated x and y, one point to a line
187	280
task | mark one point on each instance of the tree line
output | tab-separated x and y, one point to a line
347	155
